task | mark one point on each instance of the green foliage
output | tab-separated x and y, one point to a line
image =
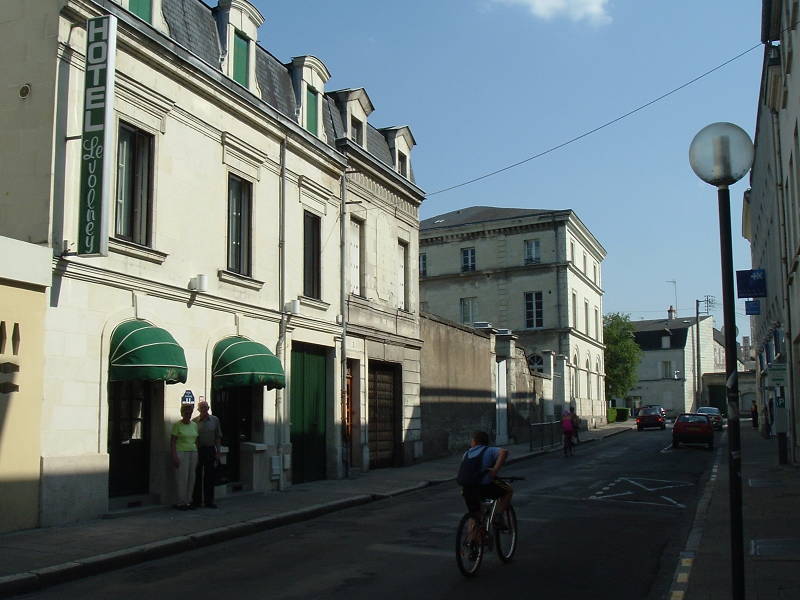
622	355
611	414
622	413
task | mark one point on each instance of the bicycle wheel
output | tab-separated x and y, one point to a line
469	550
506	538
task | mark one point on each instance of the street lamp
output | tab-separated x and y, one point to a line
721	154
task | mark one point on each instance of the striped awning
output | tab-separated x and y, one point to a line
141	351
239	361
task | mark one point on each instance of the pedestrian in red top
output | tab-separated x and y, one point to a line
568	430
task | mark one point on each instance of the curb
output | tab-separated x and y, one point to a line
37	579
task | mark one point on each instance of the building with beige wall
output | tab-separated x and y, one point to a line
24	278
535	272
229	185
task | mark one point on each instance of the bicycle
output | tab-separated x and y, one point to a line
474	536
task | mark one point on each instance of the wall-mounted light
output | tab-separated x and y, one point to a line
199	283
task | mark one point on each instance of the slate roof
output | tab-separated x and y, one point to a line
479	214
193	25
648	333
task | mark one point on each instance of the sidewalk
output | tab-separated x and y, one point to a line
37	558
771	523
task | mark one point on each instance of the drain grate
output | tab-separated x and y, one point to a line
765	483
783	549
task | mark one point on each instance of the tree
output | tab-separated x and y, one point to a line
622	354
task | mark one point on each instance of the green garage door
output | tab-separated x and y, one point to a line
308	412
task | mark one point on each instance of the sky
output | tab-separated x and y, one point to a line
484	84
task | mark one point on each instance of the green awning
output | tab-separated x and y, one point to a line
141	351
239	361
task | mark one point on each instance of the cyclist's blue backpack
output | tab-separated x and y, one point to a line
471	471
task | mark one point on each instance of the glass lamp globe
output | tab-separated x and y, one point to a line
721	153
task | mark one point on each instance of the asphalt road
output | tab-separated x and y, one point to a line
608	522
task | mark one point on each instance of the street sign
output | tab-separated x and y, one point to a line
752	307
188	397
751	284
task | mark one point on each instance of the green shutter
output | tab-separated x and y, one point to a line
240	59
311	110
142	9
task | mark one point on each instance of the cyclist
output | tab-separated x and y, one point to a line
489	488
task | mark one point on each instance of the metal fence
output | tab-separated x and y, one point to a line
544	435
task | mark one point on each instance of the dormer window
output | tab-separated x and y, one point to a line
312	110
142	9
357	131
402	164
241	58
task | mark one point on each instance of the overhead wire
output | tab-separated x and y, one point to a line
599	127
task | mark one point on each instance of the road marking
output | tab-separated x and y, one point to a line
647	486
413	550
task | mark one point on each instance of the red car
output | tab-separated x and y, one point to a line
650	417
693	428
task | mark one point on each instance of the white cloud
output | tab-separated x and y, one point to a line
593	11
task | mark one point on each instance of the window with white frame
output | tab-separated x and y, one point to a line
469	310
572	251
533	252
467	259
357	131
666	369
596	324
585	272
355	240
402	164
239	224
534	310
133	207
241	58
586	317
402	274
574	310
312	265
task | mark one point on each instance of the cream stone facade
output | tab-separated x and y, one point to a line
534	272
225	220
771	223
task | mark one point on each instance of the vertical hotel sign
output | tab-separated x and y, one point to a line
97	139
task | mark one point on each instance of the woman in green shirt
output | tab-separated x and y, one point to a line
183	443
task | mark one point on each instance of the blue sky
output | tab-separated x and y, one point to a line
487	83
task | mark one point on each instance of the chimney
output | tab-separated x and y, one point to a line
671	313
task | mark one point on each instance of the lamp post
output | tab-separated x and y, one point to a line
721	154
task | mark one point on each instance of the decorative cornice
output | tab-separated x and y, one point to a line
118	246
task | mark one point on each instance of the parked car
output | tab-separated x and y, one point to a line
693	428
650	417
714	414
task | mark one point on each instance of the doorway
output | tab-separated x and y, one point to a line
384	434
129	433
234	409
308	412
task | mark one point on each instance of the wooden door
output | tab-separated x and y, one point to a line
308	410
384	420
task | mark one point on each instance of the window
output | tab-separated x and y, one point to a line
134	185
534	310
665	341
142	9
584	264
423	265
574	310
469	310
357	131
312	102
241	59
572	251
356	257
532	252
467	259
402	164
596	324
586	317
239	210
536	363
594	278
666	369
312	274
402	267
588	381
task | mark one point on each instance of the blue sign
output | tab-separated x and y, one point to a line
188	397
751	284
752	307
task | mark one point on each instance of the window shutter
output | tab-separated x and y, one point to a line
241	59
142	9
